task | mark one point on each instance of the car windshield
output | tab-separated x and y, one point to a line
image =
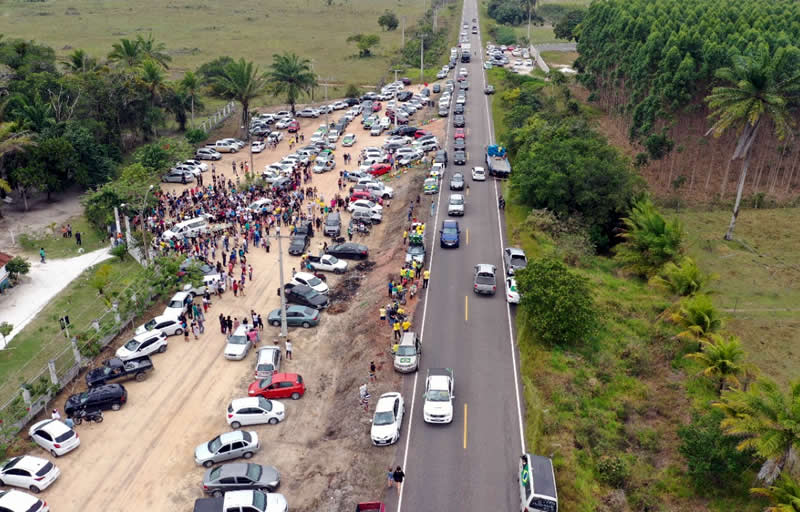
175	304
149	325
314	281
10	464
406	350
264	383
238	339
214	445
383	418
456	200
132	345
435	395
333	260
214	474
254	472
259	500
264	403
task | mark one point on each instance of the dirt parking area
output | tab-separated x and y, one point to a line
141	457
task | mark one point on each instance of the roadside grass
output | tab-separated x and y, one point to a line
42	339
56	246
758	287
559	58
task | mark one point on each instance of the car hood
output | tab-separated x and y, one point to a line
449	237
201	453
277	502
94	375
270	475
232	349
445	408
72	403
140	330
382	431
123	353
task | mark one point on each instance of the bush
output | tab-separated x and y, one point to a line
650	240
17	266
507	12
352	91
505	35
558	303
613	470
682	279
388	20
712	459
195	136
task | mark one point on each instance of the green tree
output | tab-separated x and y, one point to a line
557	302
17	266
154	50
80	62
126	53
32	113
784	495
757	90
242	82
292	76
152	75
650	241
698	318
178	102
765	420
364	43
53	162
723	360
684	278
101	278
5	330
388	20
566	27
191	84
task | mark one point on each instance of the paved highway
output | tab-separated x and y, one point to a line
470	464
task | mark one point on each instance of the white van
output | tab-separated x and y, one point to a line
187	228
537	484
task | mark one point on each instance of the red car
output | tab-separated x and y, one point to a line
293	127
459	133
511	48
379	169
365	194
421	133
376	106
279	385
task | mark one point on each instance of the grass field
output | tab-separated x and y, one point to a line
556	58
57	246
198	31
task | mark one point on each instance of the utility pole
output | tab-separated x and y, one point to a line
421	57
284	332
327	124
403	43
144	224
395	99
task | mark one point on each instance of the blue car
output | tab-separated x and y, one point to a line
450	234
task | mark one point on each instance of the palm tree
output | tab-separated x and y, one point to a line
784	495
126	53
191	84
291	75
650	240
698	317
684	278
152	49
80	62
33	114
151	74
768	421
12	141
757	90
723	359
177	101
242	82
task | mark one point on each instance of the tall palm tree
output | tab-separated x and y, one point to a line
768	421
150	48
723	360
191	84
33	114
151	74
126	53
177	101
784	495
242	82
291	75
698	317
80	62
758	90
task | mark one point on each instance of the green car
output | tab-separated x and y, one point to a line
349	139
296	316
431	186
369	121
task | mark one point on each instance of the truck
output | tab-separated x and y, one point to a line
439	397
326	263
117	370
372	506
497	161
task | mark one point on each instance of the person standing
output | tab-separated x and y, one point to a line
372	369
223	325
390	477
186	334
426	274
396	329
42	255
406	325
56	415
201	324
78	238
405	236
398	477
288	349
195	330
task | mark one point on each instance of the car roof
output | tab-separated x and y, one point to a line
52	427
234	435
437	381
180	296
250	401
485	267
449	223
305	275
29	462
277	377
13	499
456	196
515	251
386	402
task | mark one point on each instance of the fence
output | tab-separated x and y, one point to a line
218	117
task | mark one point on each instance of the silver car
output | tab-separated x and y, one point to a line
485	281
227	446
515	259
238	344
240	476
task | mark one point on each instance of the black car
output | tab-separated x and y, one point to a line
459	144
352	101
441	156
281	184
305	227
305	296
368	96
458	121
458	109
115	370
437	88
298	245
457	181
489	89
406	80
459	157
404	95
100	398
349	251
404	130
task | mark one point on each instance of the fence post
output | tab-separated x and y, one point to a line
75	352
51	365
26	396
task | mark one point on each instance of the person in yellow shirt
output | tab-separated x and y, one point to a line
405	237
382	312
396	329
425	276
411	274
406	325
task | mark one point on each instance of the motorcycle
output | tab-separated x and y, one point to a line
95	416
501	203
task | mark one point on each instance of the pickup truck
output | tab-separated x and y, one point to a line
326	263
371	506
497	161
116	370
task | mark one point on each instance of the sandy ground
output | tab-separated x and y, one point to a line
42	283
40	214
141	457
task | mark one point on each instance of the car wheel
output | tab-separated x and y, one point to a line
178	331
116	406
34	489
53	453
273	421
162	348
275	323
306	325
208	463
295	396
217	494
235	424
140	377
248	455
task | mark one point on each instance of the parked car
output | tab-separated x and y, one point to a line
279	385
349	251
227	446
485	281
305	296
430	186
18	501
238	476
349	140
178	304
450	234
238	344
512	294
296	316
388	419
489	89
254	410
144	344
115	370
308	112
312	281
54	436
178	176
207	154
415	252
100	398
514	259
293	127
28	472
168	325
268	361
257	146
298	245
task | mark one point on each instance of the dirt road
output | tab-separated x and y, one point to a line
141	457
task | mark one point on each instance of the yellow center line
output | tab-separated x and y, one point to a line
466	308
465	426
467	236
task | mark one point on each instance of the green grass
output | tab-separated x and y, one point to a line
756	285
57	246
42	339
562	58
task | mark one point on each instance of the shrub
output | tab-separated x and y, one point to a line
505	35
613	470
558	303
195	136
650	240
388	20
352	91
17	266
120	251
698	317
684	278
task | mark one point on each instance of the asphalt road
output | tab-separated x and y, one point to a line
470	464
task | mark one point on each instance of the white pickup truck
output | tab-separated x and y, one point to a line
327	263
438	406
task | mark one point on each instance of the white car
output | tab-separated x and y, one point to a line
516	52
321	166
275	137
528	62
478	174
463	72
312	281
308	112
284	123
365	204
438	406
512	294
388	419
455	206
236	142
143	345
168	325
54	436
29	472
197	163
385	191
254	501
349	139
340	105
257	146
238	345
208	154
283	114
179	303
254	410
16	501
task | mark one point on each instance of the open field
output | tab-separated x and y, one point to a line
197	32
559	58
56	246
